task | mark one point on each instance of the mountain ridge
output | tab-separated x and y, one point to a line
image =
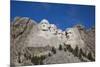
26	32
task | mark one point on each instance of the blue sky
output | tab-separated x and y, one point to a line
63	15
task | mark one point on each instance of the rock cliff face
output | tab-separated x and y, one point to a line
88	36
74	38
20	29
83	38
29	39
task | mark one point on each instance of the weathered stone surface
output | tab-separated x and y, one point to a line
28	40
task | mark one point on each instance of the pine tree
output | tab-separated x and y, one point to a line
37	60
49	54
60	47
76	51
80	53
70	49
65	49
89	56
53	50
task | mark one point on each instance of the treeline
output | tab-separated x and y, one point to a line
38	60
79	53
76	52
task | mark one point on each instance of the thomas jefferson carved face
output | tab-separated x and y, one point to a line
53	29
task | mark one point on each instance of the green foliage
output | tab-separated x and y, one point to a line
89	56
80	53
42	57
60	47
36	60
49	54
84	54
76	51
27	56
53	50
65	49
69	48
19	54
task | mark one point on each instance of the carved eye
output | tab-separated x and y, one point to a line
45	23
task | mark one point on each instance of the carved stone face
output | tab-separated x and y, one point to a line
53	29
59	33
70	34
44	25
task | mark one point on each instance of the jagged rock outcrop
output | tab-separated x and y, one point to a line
83	38
20	29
